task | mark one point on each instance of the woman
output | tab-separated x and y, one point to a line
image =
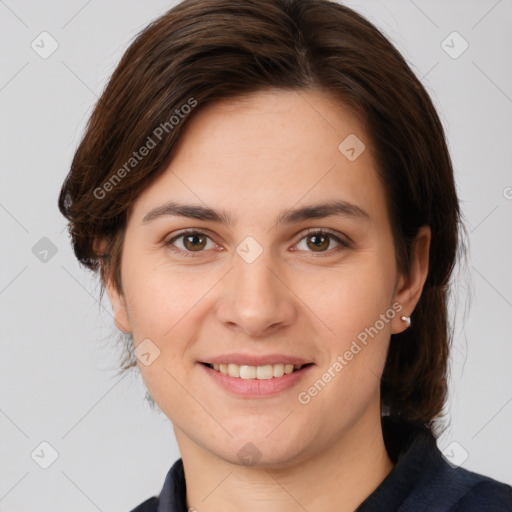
266	191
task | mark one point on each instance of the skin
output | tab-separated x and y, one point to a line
253	158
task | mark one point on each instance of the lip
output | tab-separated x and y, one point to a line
256	388
253	360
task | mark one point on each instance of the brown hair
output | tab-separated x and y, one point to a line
204	50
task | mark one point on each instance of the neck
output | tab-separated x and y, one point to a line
339	477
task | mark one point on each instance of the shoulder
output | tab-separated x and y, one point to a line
455	489
149	505
172	497
424	479
482	493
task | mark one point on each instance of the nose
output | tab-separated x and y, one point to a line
257	299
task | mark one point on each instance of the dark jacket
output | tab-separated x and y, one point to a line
421	481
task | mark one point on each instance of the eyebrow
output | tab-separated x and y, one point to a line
316	211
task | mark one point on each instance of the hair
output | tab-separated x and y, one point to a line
201	51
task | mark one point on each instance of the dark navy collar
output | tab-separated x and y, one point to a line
421	480
173	495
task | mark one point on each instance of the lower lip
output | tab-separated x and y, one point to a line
257	388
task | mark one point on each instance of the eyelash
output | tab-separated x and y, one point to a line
312	231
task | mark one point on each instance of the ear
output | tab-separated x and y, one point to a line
116	297
409	288
121	318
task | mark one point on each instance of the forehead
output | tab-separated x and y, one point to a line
270	150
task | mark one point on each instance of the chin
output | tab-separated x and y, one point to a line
263	452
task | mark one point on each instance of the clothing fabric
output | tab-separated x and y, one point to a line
422	480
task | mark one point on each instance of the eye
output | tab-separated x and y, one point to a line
192	241
319	241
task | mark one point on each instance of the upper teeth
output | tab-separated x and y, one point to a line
256	372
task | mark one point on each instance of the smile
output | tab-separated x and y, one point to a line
264	372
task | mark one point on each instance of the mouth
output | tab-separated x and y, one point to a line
264	372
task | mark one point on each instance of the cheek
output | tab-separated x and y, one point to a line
158	297
357	312
350	299
355	306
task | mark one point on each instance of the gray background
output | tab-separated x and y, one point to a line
58	359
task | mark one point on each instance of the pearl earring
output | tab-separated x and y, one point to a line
406	319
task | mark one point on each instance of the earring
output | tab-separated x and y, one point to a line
406	319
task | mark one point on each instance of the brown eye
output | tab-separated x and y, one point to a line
318	241
191	242
194	242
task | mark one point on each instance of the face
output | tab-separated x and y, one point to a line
316	286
